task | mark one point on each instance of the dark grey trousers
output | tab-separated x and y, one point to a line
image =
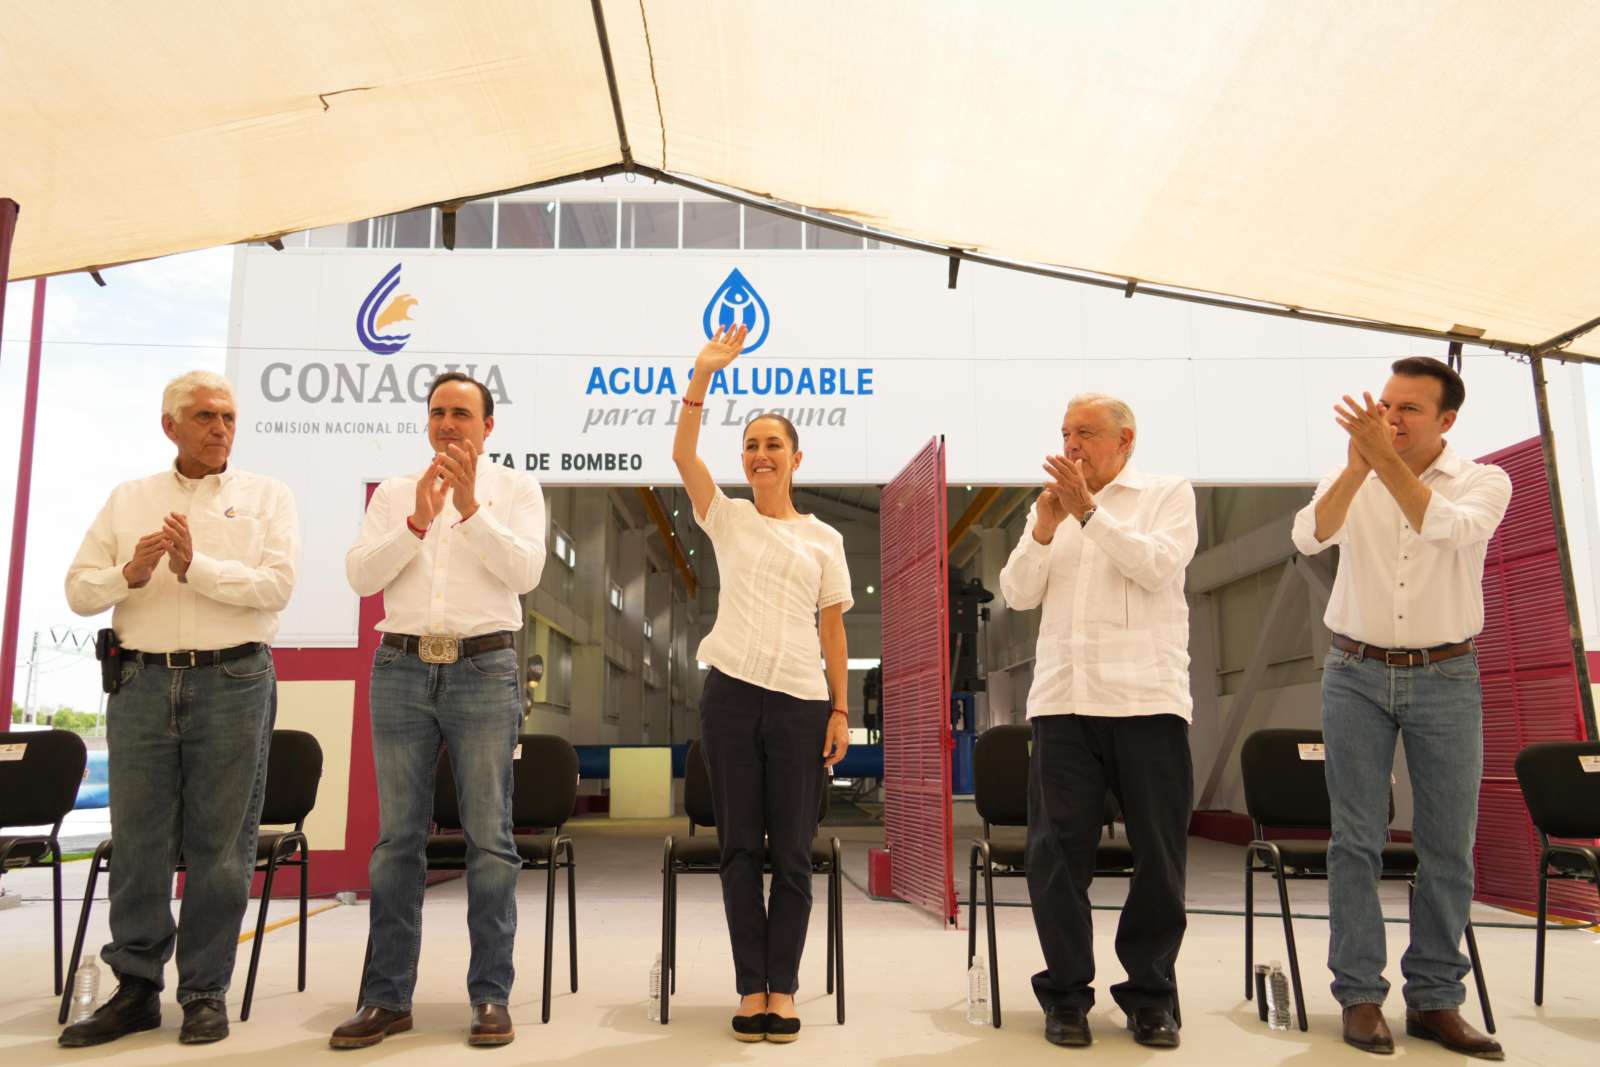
1144	761
764	754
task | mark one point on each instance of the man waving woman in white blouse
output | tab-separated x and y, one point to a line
770	718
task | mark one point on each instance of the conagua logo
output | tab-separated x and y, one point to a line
371	321
736	302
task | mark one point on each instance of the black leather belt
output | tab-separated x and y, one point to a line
434	649
194	657
1401	657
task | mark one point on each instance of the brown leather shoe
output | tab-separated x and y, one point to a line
1449	1029
368	1027
491	1025
1365	1029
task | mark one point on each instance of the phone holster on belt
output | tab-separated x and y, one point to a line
108	650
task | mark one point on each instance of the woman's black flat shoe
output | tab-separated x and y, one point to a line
750	1027
780	1029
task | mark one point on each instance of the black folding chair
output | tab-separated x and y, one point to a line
38	786
1285	788
294	770
544	794
1000	791
703	855
1561	785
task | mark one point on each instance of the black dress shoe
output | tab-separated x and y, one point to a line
782	1029
1068	1027
204	1021
368	1027
134	1007
491	1025
750	1027
1154	1027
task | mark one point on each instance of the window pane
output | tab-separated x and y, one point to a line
344	235
409	229
588	224
474	226
650	225
817	237
527	224
713	225
763	229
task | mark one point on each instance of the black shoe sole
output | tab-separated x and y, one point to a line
1377	1050
1413	1030
201	1039
137	1027
1070	1041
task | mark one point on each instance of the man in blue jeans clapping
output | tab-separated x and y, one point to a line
1412	521
451	549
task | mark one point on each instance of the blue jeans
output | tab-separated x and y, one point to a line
188	763
1437	711
474	708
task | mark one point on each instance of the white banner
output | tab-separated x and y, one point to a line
868	352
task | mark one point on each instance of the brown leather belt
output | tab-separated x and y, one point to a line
1401	657
434	649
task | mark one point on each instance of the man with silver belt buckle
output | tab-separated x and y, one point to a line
196	563
1412	520
451	549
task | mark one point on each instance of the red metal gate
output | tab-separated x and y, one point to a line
916	685
1530	687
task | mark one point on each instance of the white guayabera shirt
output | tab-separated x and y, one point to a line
1404	588
246	547
1114	640
776	576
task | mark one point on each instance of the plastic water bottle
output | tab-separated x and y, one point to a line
85	991
978	994
1278	985
652	1009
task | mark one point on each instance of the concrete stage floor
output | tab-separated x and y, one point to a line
905	979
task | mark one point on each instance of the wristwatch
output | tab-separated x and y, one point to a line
1087	515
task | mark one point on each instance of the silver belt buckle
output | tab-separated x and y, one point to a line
438	649
178	664
1389	660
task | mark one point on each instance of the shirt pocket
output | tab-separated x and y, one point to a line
224	539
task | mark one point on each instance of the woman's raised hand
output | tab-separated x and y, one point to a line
721	350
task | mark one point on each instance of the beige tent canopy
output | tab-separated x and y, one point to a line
1430	165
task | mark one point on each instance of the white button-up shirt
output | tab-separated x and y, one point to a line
777	575
1114	639
1404	588
246	543
463	579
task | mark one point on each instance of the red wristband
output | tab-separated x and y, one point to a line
693	403
841	711
420	533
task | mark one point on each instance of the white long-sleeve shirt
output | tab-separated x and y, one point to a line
1404	588
463	579
246	542
1114	639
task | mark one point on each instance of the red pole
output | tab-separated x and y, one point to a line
19	519
8	642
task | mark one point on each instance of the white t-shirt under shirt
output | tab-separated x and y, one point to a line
776	575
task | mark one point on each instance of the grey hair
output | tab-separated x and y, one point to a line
179	393
1121	414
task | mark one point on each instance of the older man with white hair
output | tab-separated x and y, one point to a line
195	562
1104	552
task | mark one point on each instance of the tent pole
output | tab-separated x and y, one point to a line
19	519
8	638
1569	588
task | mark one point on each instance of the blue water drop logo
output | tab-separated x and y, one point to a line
378	311
736	302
